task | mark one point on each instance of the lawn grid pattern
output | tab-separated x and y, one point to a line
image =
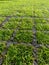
34	41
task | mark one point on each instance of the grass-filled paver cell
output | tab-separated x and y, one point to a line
26	23
25	36
43	56
5	34
42	24
42	27
19	54
42	37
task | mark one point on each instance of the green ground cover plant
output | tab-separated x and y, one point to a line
43	56
41	20
2	19
15	8
42	37
5	34
21	55
42	27
41	13
2	47
24	21
13	23
23	36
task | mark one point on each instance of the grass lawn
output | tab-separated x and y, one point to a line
22	23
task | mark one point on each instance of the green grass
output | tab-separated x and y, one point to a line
42	27
42	37
19	54
43	56
26	23
15	8
24	36
22	23
42	13
41	20
2	19
12	23
42	24
23	8
24	13
2	47
5	34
